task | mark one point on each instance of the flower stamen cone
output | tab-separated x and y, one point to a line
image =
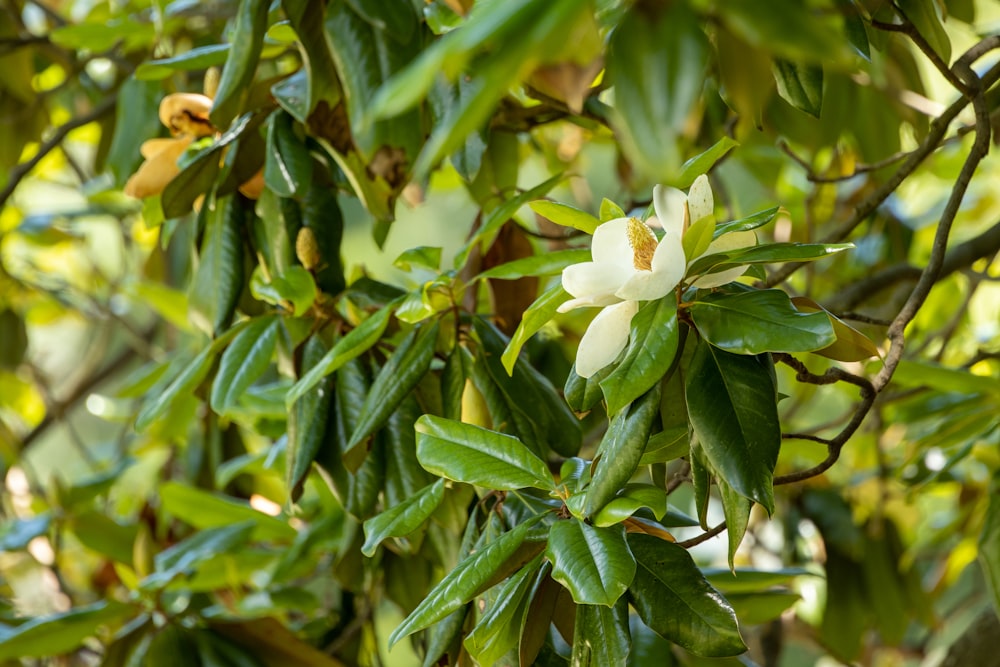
643	242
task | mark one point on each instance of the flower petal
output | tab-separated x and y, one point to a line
720	278
161	168
590	279
669	206
588	301
610	243
700	199
667	270
605	338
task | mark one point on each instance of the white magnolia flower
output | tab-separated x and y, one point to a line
630	265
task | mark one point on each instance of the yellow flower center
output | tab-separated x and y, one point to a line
643	242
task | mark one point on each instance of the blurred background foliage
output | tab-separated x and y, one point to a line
403	125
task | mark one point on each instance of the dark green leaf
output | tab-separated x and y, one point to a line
732	407
595	564
308	419
656	61
672	597
288	166
800	85
359	340
765	254
467	453
195	180
468	579
536	265
582	394
245	360
247	40
746	224
621	449
198	58
602	637
703	163
402	519
759	321
499	629
322	215
651	351
217	283
401	373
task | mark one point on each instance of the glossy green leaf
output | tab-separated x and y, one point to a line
594	564
247	40
198	58
800	85
308	419
736	510
197	178
672	597
402	519
759	321
610	210
404	476
301	93
536	265
631	499
732	407
851	344
621	449
401	373
471	454
534	318
245	360
468	579
427	257
748	223
582	394
355	343
322	215
499	629
657	48
288	165
400	25
765	254
667	445
565	215
60	633
652	349
204	509
601	637
294	290
217	283
703	162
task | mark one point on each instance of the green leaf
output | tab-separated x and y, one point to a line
667	445
246	42
499	629
401	373
534	318
743	580
759	321
468	579
754	221
536	265
199	58
582	394
989	546
183	558
359	340
851	344
621	449
216	285
601	637
565	215
736	510
402	519
926	374
475	455
60	633
732	407
196	179
400	25
703	162
652	349
427	257
672	597
656	48
594	564
923	14
765	254
610	210
245	360
308	419
317	81
698	236
294	290
801	85
288	166
631	499
203	509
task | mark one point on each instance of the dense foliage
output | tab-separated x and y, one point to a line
499	332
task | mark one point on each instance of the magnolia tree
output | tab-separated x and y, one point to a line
503	333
